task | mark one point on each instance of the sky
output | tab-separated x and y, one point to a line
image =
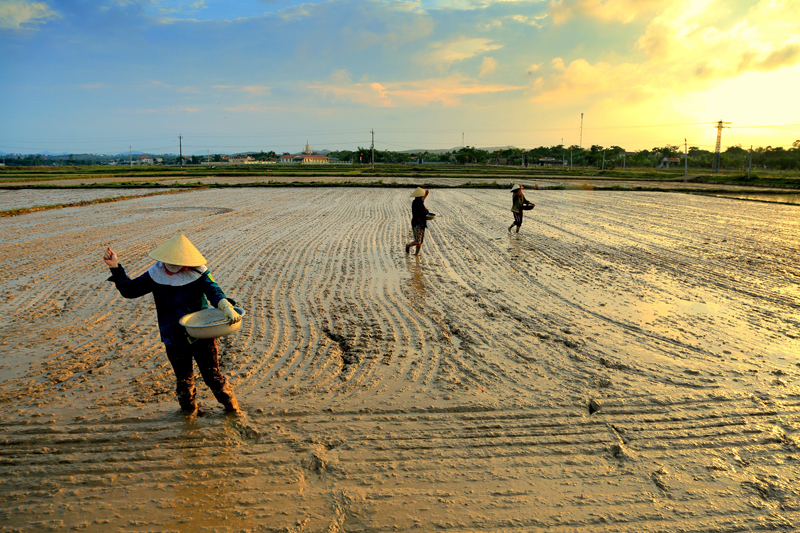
109	76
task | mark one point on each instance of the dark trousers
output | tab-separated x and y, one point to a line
204	351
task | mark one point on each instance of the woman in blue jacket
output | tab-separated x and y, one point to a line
181	284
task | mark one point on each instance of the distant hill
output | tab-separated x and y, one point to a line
457	148
204	153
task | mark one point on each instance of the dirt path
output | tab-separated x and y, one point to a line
628	362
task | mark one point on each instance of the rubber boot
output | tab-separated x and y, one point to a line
187	398
231	406
189	409
227	398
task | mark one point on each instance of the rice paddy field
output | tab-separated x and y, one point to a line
628	362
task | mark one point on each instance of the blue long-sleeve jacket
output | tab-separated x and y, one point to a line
171	302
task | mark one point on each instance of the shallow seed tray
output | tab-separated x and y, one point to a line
210	323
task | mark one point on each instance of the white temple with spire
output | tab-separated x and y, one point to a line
308	157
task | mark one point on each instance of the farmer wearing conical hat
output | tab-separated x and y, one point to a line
418	218
181	284
517	202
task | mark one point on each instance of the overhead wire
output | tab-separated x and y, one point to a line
19	144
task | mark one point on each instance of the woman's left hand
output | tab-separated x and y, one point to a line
230	313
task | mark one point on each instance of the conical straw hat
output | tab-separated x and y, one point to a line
419	191
179	251
515	187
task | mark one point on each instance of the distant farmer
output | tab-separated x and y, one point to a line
519	203
181	284
418	218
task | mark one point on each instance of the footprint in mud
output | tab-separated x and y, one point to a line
772	487
239	423
658	478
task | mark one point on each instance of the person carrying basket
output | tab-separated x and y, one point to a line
518	205
181	284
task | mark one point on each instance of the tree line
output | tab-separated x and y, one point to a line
733	158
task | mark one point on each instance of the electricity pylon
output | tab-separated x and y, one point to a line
715	167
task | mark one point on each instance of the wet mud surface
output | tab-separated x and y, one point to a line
27	198
505	177
628	362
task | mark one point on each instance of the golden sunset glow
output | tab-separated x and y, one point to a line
421	74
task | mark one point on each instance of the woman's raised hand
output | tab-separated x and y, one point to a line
110	258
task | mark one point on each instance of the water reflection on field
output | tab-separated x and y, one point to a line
780	198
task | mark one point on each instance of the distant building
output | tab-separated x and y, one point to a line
145	160
550	162
308	157
241	159
665	162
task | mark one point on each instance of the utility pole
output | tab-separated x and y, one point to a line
685	158
208	157
581	140
750	164
570	158
180	149
373	148
462	139
130	156
604	160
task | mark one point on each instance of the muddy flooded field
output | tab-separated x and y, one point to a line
409	178
28	198
627	363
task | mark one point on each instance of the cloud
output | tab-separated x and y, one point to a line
187	89
624	11
682	57
173	110
445	54
341	87
786	56
488	66
536	20
253	90
16	13
447	91
179	8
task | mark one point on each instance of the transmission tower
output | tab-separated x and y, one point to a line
715	167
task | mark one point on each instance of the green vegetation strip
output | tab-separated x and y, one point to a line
186	177
26	210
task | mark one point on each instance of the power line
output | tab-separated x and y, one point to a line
390	130
778	126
